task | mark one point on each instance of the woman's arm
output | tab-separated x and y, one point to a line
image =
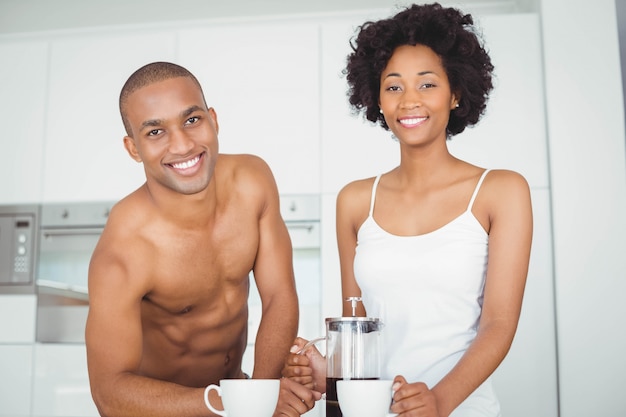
505	207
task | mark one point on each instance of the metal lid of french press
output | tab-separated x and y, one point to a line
354	301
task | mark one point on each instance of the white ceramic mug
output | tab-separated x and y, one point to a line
245	397
365	397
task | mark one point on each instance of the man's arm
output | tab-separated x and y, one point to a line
273	272
114	349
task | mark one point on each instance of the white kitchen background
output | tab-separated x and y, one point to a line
62	134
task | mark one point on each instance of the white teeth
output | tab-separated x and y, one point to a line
187	164
412	122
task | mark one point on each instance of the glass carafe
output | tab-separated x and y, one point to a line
353	351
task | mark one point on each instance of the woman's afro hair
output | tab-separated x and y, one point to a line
449	33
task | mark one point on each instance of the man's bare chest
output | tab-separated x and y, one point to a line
192	269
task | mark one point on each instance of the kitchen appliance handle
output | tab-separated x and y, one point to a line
71	232
302	226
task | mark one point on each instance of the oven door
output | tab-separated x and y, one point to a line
64	256
63	302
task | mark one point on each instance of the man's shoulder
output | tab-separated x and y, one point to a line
243	170
126	218
241	163
122	242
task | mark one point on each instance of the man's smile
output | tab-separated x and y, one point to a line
186	164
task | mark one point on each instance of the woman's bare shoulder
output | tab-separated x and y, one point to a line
499	180
503	190
354	198
357	188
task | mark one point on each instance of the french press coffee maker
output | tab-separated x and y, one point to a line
353	351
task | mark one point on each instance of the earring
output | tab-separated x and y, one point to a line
380	111
456	105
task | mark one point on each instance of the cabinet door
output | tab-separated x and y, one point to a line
22	115
512	133
17	318
85	157
262	79
61	381
15	380
352	147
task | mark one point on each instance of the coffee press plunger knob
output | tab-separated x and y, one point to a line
353	301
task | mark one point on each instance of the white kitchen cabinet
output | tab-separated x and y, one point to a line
331	272
262	79
512	133
61	382
22	117
17	318
352	147
15	380
85	158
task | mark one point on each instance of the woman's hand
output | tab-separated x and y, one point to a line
294	399
413	400
308	368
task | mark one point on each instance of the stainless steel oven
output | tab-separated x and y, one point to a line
68	234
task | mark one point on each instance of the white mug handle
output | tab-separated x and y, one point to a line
208	403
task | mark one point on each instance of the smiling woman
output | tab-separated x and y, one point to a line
426	245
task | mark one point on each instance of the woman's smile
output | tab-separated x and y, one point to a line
410	122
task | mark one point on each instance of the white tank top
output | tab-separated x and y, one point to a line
428	292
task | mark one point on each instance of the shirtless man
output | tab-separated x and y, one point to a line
169	278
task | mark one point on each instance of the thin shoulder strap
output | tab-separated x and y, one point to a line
480	181
373	198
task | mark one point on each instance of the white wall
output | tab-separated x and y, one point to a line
588	173
38	15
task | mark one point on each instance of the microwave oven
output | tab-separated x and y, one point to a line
18	248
